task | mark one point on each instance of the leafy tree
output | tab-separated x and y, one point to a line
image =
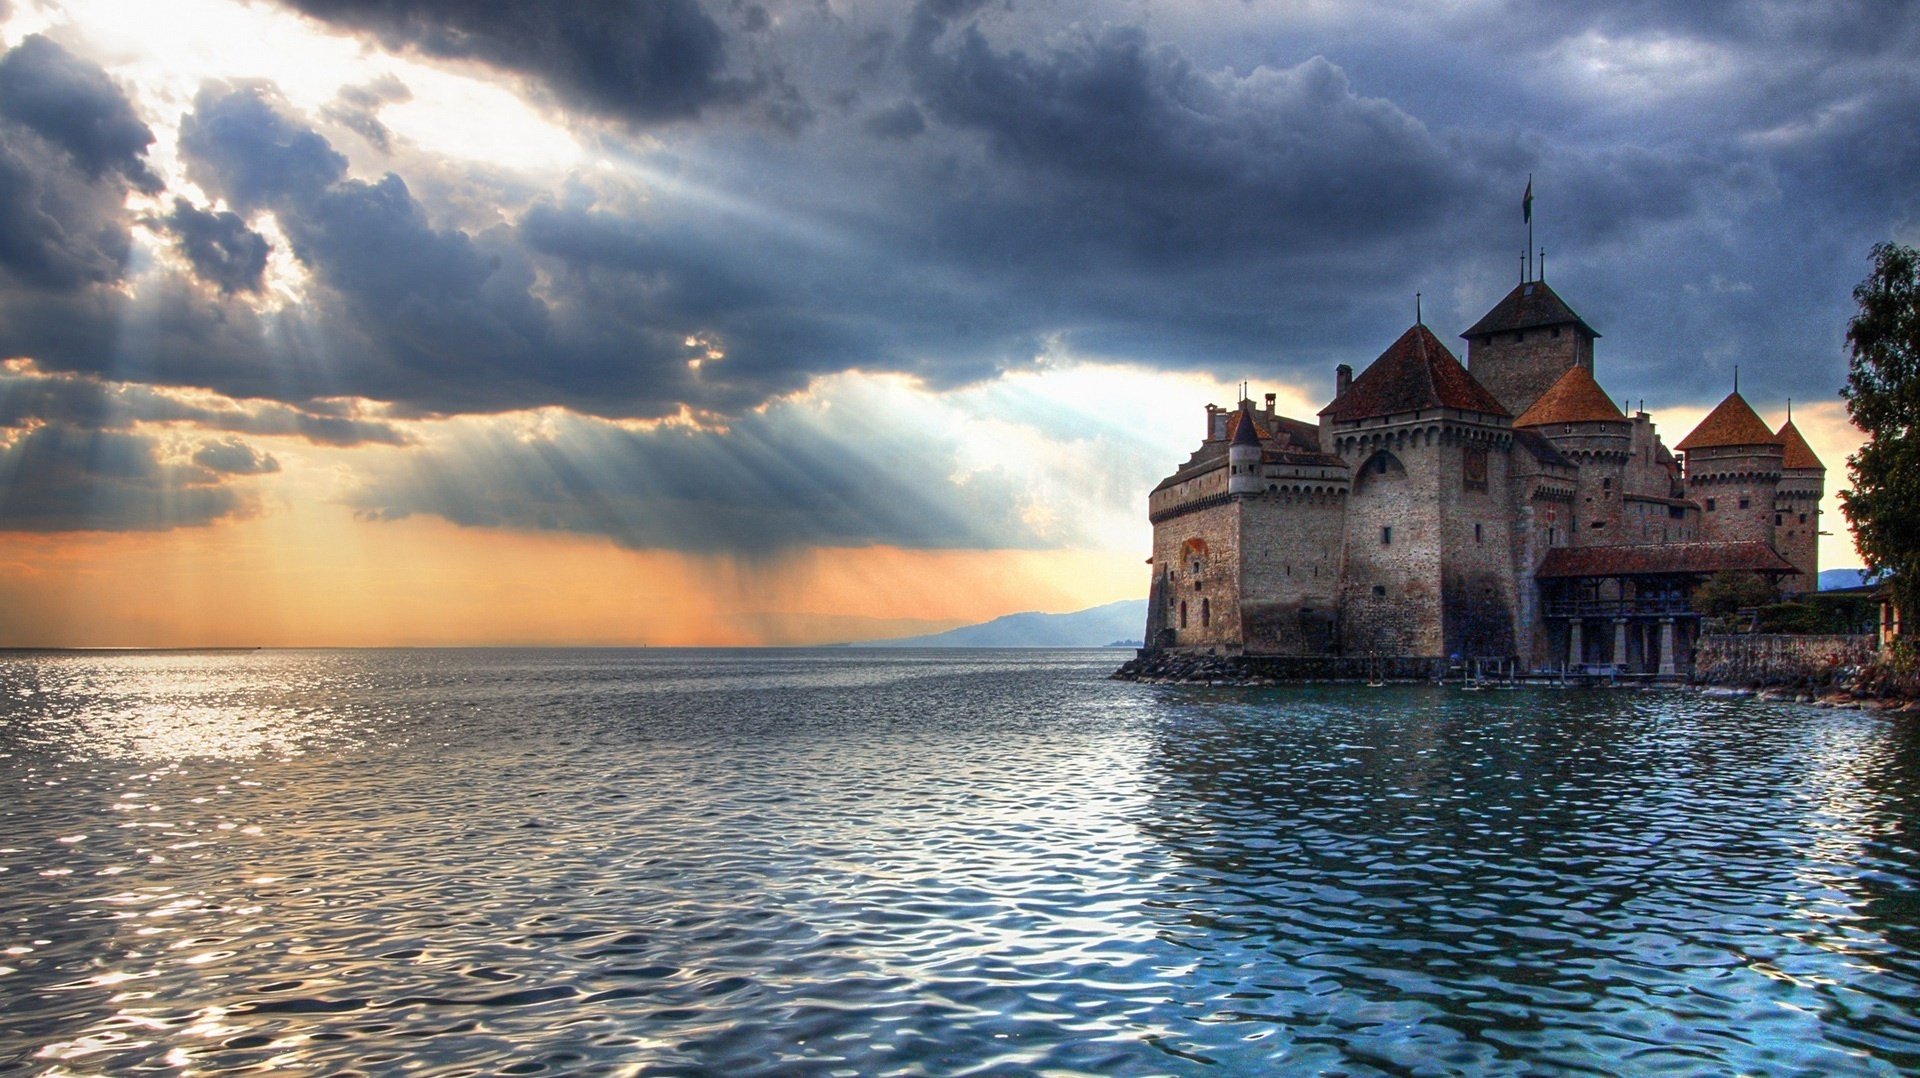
1730	591
1883	397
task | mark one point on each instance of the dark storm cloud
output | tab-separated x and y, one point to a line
86	403
441	320
72	104
71	148
62	479
240	143
899	120
641	60
234	457
983	182
1184	159
223	250
772	482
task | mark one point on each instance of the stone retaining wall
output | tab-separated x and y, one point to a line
1768	659
1171	666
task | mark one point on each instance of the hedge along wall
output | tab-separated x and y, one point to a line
1777	659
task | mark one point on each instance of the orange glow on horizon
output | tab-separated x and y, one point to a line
336	581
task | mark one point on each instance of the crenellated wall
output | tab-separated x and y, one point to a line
1735	487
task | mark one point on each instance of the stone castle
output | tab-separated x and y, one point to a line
1502	512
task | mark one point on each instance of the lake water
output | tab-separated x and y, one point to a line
853	862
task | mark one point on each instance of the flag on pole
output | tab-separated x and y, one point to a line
1526	202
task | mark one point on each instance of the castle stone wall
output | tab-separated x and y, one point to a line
1796	533
1477	583
1645	473
1517	371
1390	597
1291	560
1211	595
1721	480
1658	520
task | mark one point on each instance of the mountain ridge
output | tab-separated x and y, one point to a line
1094	627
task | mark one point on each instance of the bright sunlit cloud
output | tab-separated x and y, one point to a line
167	50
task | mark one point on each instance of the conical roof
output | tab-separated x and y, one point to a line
1416	372
1799	454
1530	304
1732	422
1574	398
1244	431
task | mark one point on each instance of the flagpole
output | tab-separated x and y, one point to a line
1529	216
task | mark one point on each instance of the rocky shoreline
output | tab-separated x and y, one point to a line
1862	687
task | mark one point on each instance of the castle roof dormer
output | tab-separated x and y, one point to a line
1798	453
1574	398
1732	423
1530	305
1416	372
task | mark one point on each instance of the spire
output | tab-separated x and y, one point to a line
1531	304
1416	372
1798	453
1574	398
1244	432
1733	422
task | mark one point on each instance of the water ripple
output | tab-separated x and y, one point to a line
582	862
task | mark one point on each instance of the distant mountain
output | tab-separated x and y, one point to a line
1093	628
1842	578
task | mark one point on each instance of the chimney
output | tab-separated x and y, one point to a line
1271	397
1212	411
1342	380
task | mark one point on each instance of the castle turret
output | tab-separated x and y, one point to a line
1243	453
1525	343
1796	508
1583	424
1428	523
1733	470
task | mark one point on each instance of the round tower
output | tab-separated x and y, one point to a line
1583	424
1734	463
1796	508
1243	454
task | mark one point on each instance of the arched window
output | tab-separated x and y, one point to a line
1183	613
1206	612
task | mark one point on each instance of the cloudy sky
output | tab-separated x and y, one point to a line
718	321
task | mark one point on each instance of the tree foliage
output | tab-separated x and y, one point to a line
1883	397
1731	590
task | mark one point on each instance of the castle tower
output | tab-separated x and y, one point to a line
1525	343
1246	540
1796	508
1583	424
1734	465
1428	524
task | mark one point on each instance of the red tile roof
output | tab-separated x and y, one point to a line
1530	304
1799	453
1416	372
1660	559
1732	422
1574	398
